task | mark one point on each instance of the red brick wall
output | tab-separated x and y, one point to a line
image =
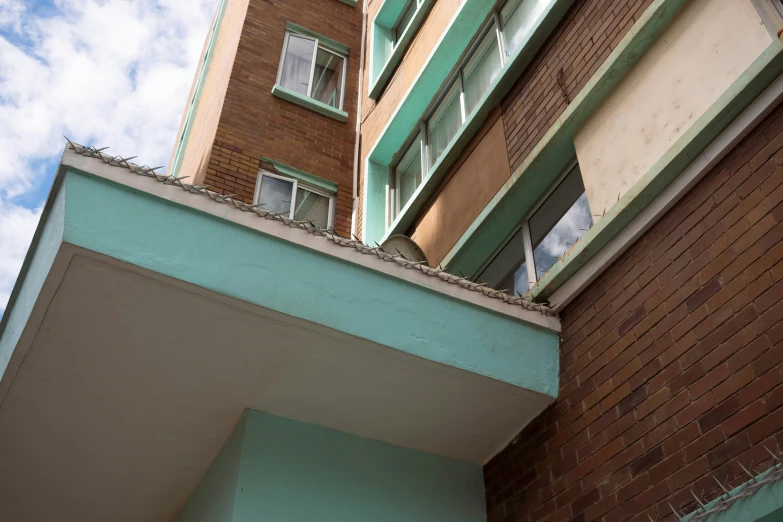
670	362
589	32
254	123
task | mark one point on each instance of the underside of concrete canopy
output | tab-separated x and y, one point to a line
147	318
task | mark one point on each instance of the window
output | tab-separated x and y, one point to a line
461	95
312	70
408	174
403	22
290	198
518	18
465	89
543	238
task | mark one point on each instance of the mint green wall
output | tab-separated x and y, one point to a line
292	471
43	249
240	262
213	499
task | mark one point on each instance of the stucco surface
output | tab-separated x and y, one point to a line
694	61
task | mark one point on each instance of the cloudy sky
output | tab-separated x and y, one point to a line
102	72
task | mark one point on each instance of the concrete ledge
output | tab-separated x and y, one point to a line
309	103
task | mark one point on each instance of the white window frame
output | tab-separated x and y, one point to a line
524	226
396	33
296	186
316	46
423	126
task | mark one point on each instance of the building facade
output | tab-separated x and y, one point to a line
432	260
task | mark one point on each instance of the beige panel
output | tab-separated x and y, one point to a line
705	49
473	181
202	134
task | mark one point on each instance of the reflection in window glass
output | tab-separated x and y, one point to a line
328	78
408	174
518	18
508	271
275	195
311	207
560	221
297	63
554	228
481	70
444	123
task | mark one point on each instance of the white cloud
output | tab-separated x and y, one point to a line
105	72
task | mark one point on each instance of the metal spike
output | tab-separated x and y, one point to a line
721	485
697	498
746	471
773	455
676	513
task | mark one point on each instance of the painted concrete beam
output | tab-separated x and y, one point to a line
148	224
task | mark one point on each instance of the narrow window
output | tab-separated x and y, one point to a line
288	197
408	174
518	18
312	70
482	69
275	193
542	239
444	123
561	220
405	19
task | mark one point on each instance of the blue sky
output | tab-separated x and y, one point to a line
104	72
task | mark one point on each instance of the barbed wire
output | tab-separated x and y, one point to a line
328	233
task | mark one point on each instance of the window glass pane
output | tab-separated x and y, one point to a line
275	195
444	123
557	225
518	19
328	78
404	21
408	173
508	271
311	207
481	70
297	62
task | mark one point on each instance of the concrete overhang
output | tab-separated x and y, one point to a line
147	318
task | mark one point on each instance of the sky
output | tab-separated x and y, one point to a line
110	73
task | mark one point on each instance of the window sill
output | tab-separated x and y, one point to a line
393	60
309	103
352	3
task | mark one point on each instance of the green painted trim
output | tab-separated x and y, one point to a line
764	505
309	103
222	256
352	3
327	42
382	63
303	176
703	131
514	68
530	181
192	109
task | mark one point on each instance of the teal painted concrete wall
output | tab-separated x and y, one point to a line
213	499
46	242
240	262
277	469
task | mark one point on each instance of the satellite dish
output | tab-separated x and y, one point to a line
399	244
